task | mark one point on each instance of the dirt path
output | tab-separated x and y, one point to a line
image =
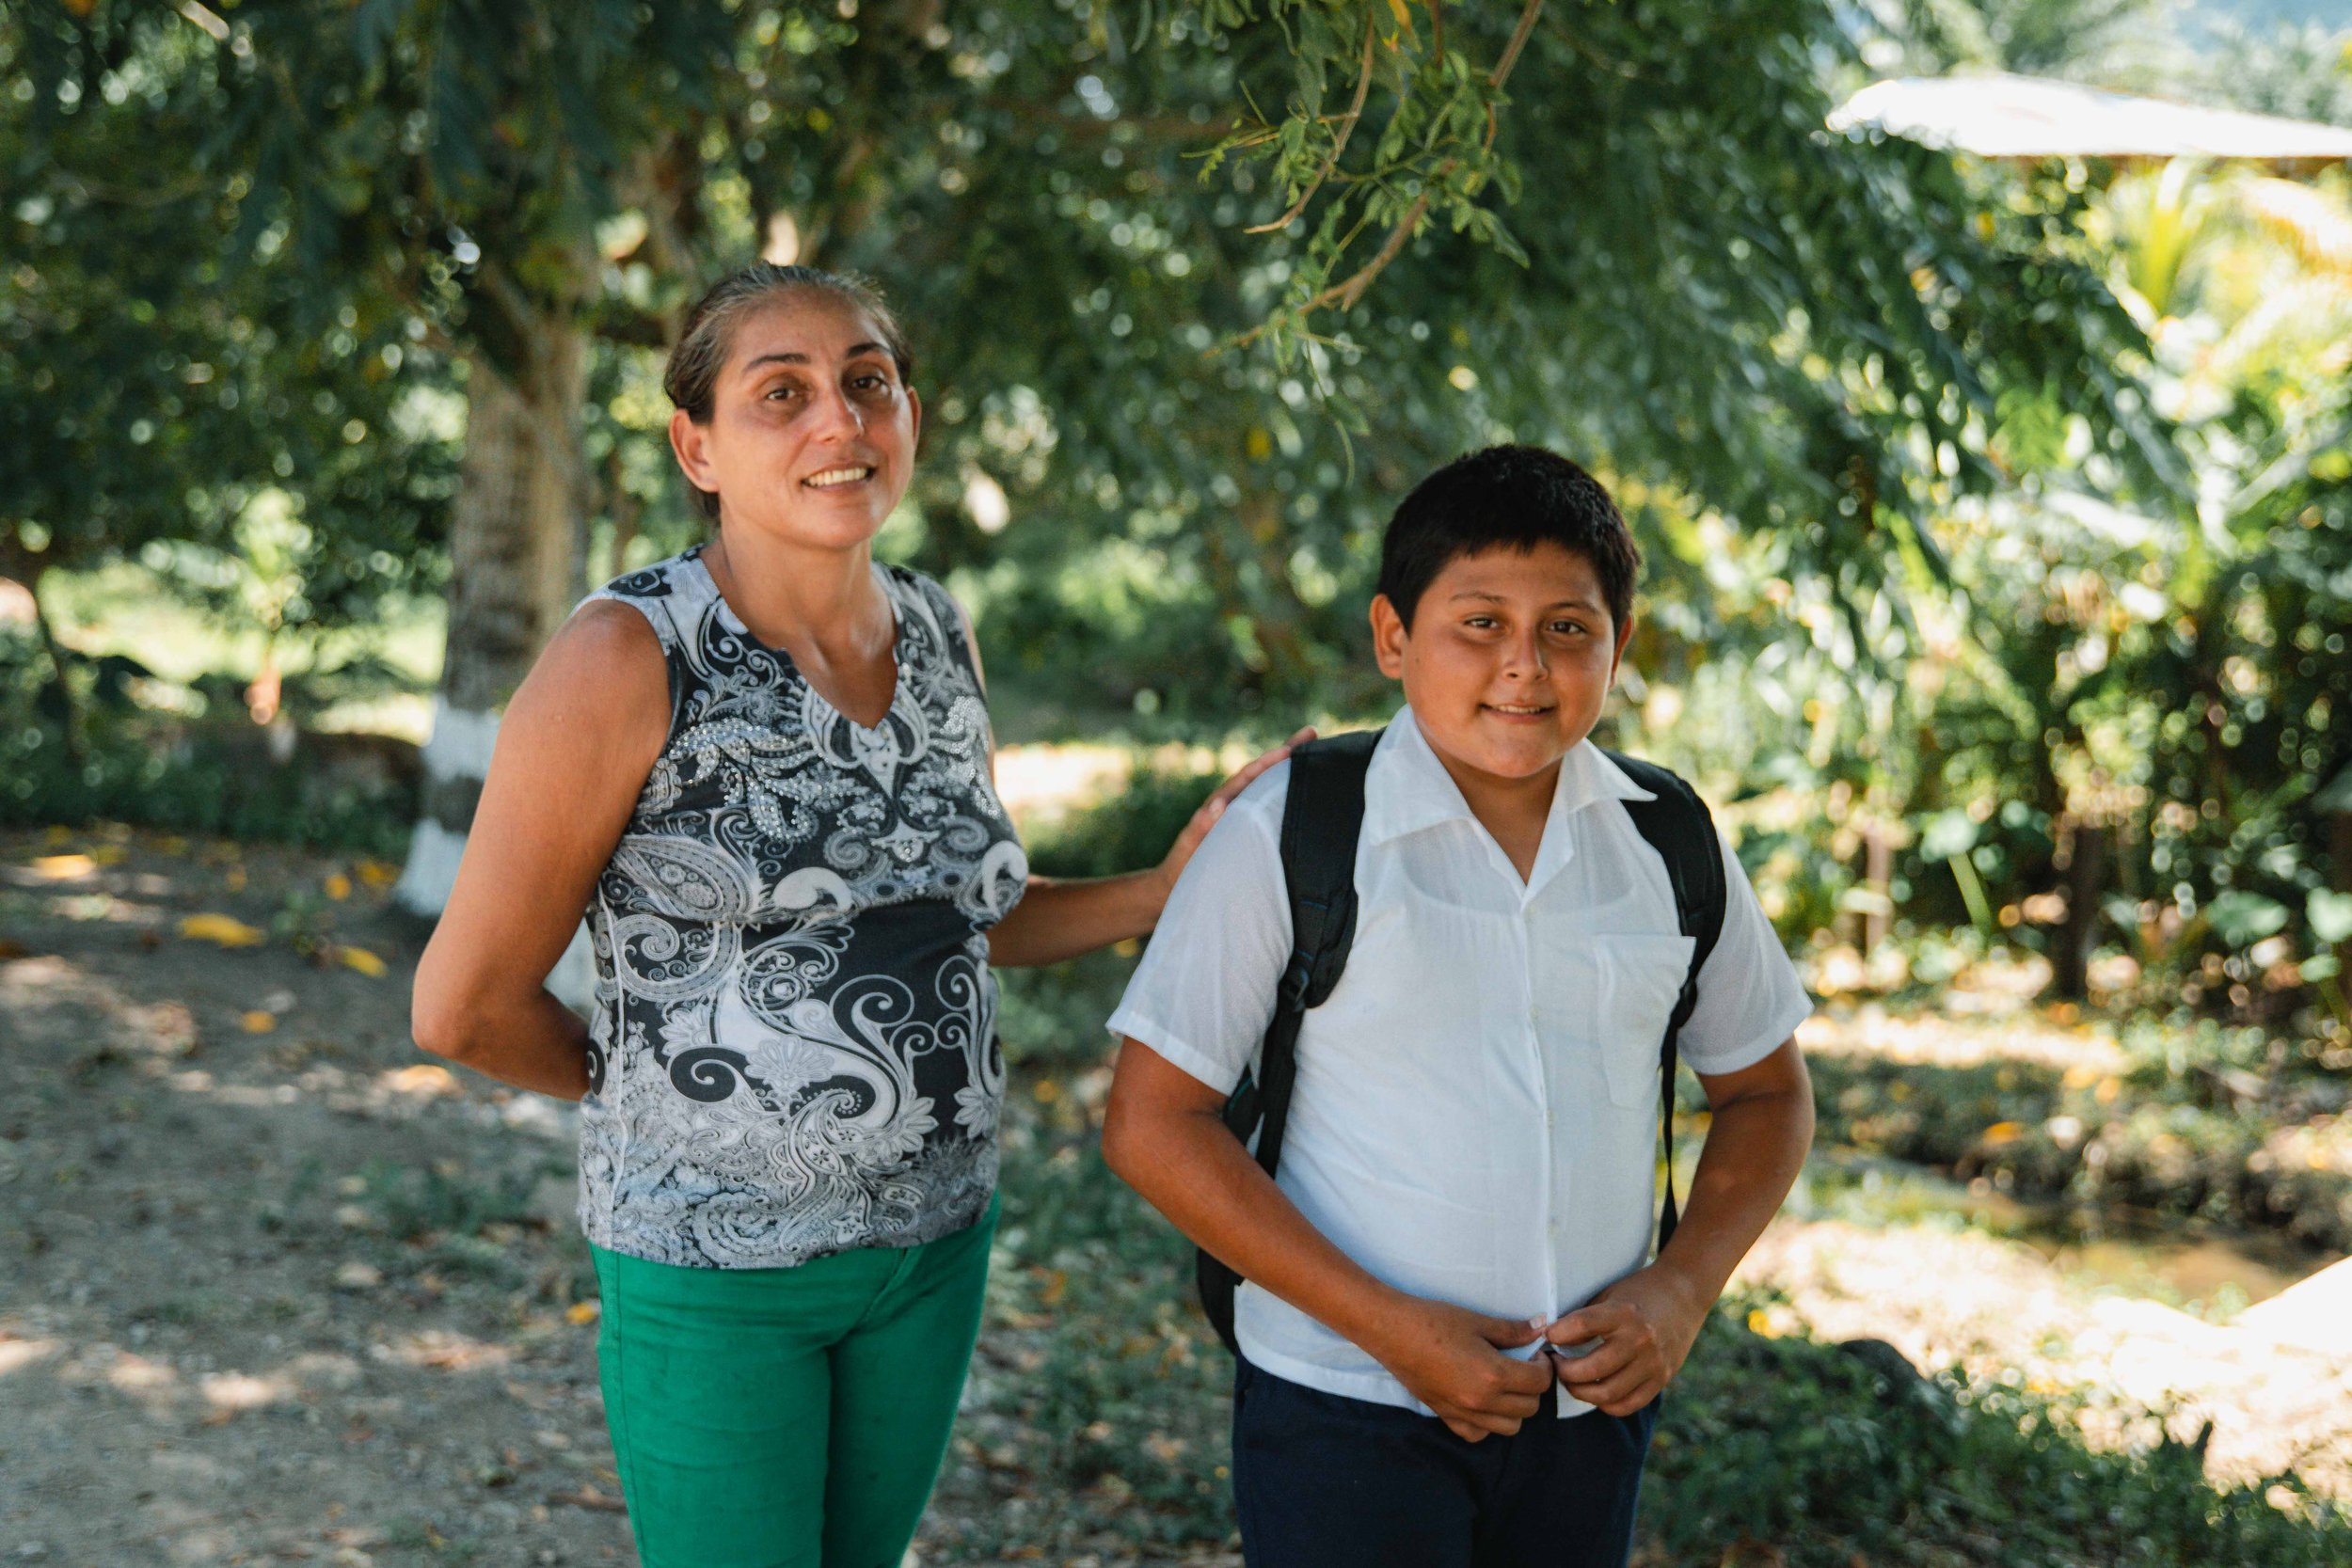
272	1288
275	1288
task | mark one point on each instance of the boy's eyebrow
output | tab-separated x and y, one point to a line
1574	602
794	357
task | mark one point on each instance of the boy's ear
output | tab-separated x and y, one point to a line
1625	636
1389	637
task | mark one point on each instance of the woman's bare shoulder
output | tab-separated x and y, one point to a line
602	674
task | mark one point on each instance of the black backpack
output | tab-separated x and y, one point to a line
1320	820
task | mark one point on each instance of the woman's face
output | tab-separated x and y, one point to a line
811	437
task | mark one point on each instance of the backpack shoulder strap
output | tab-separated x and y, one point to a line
1677	824
1322	819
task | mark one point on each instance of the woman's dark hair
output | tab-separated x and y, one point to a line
1507	497
692	376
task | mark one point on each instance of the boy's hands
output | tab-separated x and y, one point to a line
1451	1359
1647	1321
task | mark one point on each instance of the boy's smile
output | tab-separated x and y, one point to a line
1507	662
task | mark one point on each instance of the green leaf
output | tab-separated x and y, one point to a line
2331	916
2242	919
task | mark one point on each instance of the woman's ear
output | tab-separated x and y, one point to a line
1389	637
691	442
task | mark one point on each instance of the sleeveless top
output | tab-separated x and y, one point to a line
793	1050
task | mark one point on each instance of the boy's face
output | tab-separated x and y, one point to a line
1509	658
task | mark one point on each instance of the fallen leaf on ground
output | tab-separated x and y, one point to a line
582	1313
377	874
258	1023
226	929
63	868
338	886
361	960
424	1079
588	1496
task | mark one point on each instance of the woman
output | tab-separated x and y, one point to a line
763	767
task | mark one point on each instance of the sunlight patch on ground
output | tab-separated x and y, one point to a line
2000	1309
1932	1039
18	1354
1040	785
233	1392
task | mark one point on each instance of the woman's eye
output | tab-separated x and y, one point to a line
785	390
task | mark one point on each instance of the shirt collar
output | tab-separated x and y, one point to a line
1408	788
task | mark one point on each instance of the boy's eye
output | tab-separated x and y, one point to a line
1568	628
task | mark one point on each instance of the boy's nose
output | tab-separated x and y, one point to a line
1526	654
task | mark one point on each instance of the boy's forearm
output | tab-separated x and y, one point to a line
1191	1168
1755	1145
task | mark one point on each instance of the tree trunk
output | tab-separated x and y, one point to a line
1877	875
2070	941
516	556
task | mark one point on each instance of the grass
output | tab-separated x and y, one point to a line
1099	1413
2182	1131
1100	1407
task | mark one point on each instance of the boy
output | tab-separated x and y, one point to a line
1450	1349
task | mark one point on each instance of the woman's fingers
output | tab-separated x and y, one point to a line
1197	828
1259	764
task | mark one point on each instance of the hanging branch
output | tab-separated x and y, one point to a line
1346	292
1347	128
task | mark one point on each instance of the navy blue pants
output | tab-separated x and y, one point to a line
1326	1482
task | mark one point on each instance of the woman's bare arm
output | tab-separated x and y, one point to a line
573	752
1057	920
1060	919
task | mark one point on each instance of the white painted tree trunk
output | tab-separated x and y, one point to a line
516	534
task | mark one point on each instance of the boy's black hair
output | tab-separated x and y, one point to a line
1507	497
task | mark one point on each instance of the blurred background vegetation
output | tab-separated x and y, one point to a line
1998	514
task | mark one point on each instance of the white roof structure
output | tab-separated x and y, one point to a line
1998	115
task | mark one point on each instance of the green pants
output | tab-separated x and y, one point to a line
775	1417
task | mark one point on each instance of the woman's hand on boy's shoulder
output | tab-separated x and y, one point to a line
1645	1323
1213	807
1451	1359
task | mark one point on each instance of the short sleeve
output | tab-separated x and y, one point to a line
1749	997
1204	992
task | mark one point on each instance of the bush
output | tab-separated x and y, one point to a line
203	774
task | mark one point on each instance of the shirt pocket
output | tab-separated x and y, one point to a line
1641	977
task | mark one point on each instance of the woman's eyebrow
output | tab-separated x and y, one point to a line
794	357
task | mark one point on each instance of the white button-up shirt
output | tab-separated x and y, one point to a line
1475	1113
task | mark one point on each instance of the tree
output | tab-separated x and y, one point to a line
1627	234
154	382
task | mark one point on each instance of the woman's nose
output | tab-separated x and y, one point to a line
838	415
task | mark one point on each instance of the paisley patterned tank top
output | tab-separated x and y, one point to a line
793	1050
